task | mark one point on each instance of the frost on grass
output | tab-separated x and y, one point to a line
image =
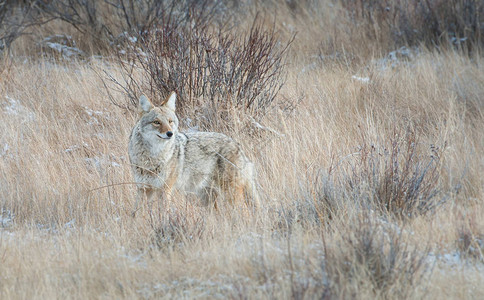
453	260
102	163
14	108
96	115
95	160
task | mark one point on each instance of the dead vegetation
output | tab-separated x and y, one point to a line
369	156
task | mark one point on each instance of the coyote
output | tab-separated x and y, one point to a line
207	164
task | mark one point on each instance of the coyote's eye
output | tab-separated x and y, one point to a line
157	123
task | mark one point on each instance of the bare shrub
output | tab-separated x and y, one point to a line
104	21
391	178
115	22
413	22
396	177
374	258
15	18
362	257
211	66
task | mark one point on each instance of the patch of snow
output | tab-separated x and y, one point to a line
71	224
92	112
397	57
94	161
4	150
362	79
6	218
63	44
132	39
453	260
403	52
289	27
66	51
308	68
75	147
390	226
14	108
265	128
457	41
59	37
95	115
72	148
101	163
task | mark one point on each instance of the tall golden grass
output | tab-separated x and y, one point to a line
66	190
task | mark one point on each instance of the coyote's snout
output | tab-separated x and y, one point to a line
208	164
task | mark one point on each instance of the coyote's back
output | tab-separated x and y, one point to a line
208	164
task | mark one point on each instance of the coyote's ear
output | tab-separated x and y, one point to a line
170	101
145	104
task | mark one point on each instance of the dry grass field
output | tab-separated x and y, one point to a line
370	166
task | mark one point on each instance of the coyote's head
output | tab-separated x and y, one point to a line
158	124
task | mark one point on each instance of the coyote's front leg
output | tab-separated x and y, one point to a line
144	195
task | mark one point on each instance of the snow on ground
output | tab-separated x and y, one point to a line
13	107
361	79
4	150
401	56
96	115
6	218
62	44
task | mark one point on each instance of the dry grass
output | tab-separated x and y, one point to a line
324	231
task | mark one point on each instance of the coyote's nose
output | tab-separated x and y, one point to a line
169	134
